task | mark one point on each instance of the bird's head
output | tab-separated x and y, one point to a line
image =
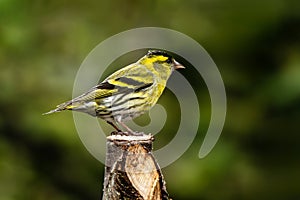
161	61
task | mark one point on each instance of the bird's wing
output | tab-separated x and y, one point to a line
132	78
129	79
102	90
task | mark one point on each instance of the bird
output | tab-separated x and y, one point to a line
127	93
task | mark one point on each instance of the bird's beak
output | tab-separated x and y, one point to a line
177	65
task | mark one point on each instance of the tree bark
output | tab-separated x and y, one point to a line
131	171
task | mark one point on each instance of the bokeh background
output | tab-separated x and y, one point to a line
255	44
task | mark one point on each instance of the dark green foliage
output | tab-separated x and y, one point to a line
256	45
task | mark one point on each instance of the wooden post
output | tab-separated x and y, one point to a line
131	171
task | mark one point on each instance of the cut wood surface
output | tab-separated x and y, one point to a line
131	171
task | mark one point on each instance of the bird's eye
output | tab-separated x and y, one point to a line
169	60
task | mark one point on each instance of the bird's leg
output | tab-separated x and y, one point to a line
126	127
113	125
129	130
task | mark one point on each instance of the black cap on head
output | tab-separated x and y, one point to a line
159	53
170	59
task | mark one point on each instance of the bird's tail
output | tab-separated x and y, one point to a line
61	107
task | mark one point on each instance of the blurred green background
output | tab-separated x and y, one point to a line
255	44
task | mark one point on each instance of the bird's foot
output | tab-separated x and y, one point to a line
119	133
128	133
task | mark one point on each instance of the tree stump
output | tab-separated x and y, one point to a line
131	171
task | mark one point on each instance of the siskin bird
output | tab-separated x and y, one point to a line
128	92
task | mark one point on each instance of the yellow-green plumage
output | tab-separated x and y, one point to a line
127	93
